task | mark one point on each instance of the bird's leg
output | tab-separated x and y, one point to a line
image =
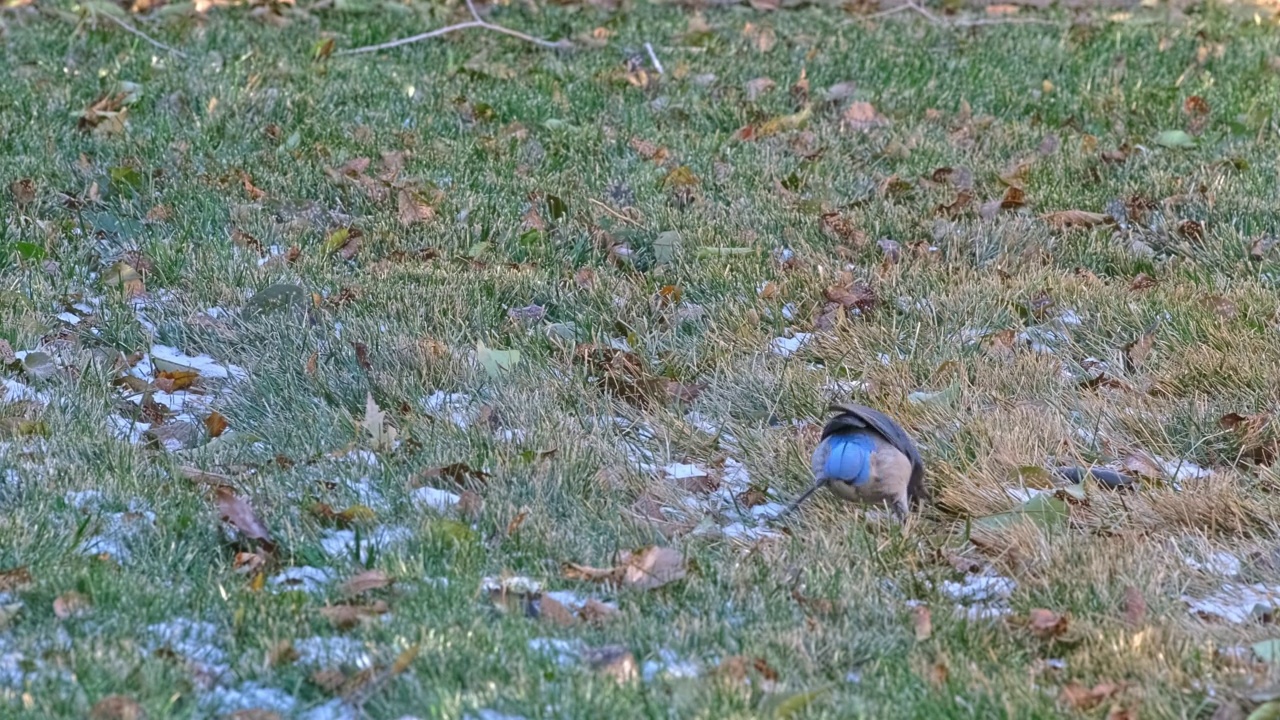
900	507
802	498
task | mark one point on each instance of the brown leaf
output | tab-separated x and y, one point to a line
862	116
331	680
858	297
1143	465
248	563
647	150
585	278
684	392
1138	350
1079	697
1047	624
595	612
412	209
1192	230
1014	197
236	511
556	612
15	579
1135	607
613	661
23	191
1049	145
1076	218
1260	246
922	621
215	424
345	617
842	229
1002	9
117	707
1220	306
366	581
70	604
1143	282
254	192
643	569
757	87
459	473
957	206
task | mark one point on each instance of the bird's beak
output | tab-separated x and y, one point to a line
816	486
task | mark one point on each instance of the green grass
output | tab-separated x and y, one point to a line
490	128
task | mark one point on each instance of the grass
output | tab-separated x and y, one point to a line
235	141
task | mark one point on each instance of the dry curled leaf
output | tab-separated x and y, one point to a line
345	617
70	604
366	581
857	296
643	569
236	510
1047	624
922	621
117	707
1135	607
1080	697
1076	218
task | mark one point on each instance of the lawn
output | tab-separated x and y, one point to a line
462	380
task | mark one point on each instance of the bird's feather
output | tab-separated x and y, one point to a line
849	458
853	417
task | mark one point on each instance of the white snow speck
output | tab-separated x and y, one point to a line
1236	603
786	347
435	498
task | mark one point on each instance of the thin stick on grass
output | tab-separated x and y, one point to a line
127	27
475	22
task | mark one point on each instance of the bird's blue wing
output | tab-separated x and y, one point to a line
849	457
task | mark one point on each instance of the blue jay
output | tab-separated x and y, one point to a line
866	457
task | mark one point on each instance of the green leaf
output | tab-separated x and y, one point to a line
1266	711
1033	476
496	362
478	250
275	298
664	246
1175	139
28	250
126	178
788	706
1045	510
529	237
39	365
336	240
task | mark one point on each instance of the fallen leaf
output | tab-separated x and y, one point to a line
117	707
15	579
382	436
496	362
862	116
215	424
922	621
125	277
556	612
23	191
957	206
758	86
70	604
614	661
1175	139
1002	9
248	563
1080	697
345	617
1143	281
459	473
596	612
366	581
343	241
1047	624
235	510
1076	218
412	208
1137	351
858	296
644	569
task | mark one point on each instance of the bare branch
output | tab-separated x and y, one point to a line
476	22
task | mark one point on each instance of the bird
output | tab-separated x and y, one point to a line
866	457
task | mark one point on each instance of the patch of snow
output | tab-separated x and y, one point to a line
565	652
669	665
335	709
305	578
739	531
434	498
517	584
15	391
248	695
126	429
767	511
1236	603
203	364
330	651
69	318
341	543
456	407
786	347
684	471
1219	563
979	588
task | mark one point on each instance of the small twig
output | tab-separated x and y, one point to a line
476	22
657	64
912	6
614	213
135	31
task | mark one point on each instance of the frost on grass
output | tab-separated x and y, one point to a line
788	346
563	652
669	665
1237	603
305	578
343	543
980	597
332	651
115	531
